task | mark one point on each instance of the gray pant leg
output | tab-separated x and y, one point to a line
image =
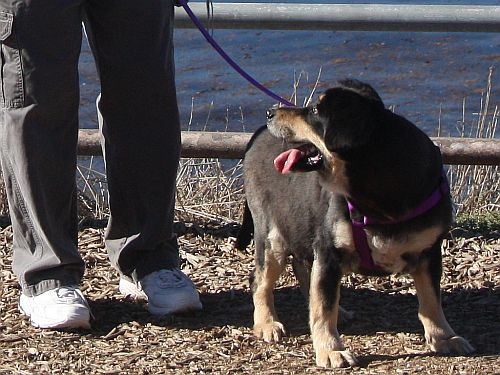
132	43
40	43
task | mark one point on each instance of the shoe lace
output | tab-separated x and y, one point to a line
73	292
169	278
69	292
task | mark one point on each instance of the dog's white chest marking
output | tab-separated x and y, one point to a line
387	253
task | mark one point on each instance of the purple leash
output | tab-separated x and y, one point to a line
228	59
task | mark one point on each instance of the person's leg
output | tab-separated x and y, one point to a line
40	44
132	43
38	134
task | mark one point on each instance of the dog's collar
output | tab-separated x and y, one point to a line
360	240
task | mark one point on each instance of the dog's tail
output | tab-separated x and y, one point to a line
245	234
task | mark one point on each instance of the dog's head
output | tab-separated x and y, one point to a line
343	119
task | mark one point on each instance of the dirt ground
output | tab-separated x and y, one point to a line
385	333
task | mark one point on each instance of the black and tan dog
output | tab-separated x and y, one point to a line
366	193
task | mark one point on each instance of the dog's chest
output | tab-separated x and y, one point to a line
388	252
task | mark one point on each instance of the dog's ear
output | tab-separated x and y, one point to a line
354	113
362	89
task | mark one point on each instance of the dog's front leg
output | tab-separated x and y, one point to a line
438	333
267	271
324	295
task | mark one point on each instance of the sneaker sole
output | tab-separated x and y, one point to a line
155	310
81	322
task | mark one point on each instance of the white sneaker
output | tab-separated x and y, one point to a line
167	291
63	307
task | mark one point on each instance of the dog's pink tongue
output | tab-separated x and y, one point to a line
285	161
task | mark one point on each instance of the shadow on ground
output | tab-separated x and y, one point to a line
472	313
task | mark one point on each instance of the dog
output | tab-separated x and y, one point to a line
343	186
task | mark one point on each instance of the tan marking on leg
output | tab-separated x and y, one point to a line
343	238
328	346
266	323
438	333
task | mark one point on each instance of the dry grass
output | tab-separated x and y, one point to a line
208	191
476	188
92	189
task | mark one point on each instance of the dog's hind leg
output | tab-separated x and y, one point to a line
303	274
438	333
246	230
324	311
270	262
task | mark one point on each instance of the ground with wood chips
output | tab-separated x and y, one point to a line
385	333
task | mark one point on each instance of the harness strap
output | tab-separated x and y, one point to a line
361	244
360	239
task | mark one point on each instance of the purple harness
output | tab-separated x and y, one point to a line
360	240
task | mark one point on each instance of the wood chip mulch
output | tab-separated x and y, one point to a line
385	333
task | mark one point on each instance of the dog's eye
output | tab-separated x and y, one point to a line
314	110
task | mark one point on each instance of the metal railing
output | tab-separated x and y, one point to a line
232	145
352	17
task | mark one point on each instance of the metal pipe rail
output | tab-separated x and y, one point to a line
232	145
352	17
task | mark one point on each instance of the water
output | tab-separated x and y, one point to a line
424	76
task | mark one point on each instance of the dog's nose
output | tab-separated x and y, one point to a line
270	113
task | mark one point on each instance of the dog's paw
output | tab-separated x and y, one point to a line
269	332
335	358
455	345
